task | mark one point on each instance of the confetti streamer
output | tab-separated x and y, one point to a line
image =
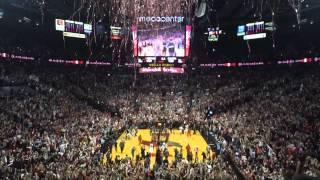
296	6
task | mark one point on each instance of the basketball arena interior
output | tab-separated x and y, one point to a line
160	89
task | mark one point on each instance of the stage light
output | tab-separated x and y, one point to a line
27	20
1	13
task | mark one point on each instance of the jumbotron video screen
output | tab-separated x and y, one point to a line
161	43
162	40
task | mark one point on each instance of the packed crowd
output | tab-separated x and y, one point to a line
264	123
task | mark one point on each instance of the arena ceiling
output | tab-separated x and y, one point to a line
218	11
287	15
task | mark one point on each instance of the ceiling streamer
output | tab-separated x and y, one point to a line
201	10
296	6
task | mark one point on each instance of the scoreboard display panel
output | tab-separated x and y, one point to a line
254	30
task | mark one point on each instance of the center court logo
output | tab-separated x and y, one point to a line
163	19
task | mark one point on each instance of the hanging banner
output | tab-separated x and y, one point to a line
188	40
135	40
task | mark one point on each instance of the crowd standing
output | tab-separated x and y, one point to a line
264	123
